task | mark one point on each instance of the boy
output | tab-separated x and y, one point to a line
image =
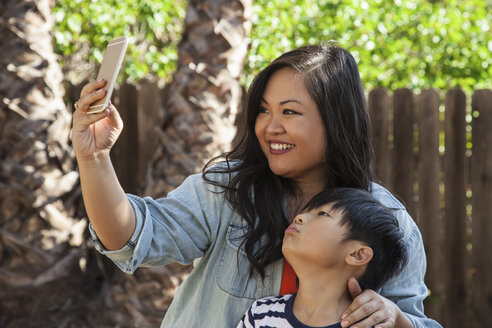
341	233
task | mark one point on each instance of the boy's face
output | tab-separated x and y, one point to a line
316	237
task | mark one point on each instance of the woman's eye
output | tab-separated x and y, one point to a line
263	110
322	213
289	112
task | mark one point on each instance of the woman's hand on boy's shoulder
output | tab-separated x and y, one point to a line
369	309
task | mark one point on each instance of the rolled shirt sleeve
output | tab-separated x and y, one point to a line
176	228
121	257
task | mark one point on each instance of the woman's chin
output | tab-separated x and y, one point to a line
279	170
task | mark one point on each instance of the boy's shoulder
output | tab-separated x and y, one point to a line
269	311
267	304
273	299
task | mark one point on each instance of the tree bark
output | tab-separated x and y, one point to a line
39	194
204	96
37	176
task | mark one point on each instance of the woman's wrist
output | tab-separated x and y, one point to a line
95	159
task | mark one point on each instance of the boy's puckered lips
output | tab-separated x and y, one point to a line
291	229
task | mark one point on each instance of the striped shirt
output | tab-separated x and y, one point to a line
274	312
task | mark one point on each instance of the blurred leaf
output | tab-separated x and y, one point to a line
154	27
417	44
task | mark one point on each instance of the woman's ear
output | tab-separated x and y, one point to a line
359	255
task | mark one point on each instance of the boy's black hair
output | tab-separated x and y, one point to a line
368	221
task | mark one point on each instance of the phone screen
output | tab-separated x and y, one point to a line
110	66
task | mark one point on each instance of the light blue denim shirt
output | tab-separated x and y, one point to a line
195	223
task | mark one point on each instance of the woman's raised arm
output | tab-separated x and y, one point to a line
93	135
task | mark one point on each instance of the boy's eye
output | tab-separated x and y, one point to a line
323	213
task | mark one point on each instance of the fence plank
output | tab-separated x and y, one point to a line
455	208
125	152
147	121
482	207
429	216
379	112
403	156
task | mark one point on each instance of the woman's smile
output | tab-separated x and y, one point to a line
290	130
278	147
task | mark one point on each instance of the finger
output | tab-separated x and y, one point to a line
354	318
385	324
84	120
359	309
364	297
376	318
115	117
354	287
92	86
84	102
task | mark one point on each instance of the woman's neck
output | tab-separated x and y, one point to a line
303	193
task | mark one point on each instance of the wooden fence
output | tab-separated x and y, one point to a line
433	151
436	155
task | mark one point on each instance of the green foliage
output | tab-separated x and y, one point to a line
84	27
415	44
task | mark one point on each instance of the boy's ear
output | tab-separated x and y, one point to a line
359	255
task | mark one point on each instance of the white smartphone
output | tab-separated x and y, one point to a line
110	66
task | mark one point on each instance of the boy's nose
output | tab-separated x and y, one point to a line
300	219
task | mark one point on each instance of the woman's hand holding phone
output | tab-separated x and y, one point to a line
105	202
93	135
96	127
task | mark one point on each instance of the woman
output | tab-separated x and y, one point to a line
307	129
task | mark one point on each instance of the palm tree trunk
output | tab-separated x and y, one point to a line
204	97
37	173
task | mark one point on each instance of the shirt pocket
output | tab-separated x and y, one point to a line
234	268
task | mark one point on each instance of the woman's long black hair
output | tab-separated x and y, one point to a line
332	79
